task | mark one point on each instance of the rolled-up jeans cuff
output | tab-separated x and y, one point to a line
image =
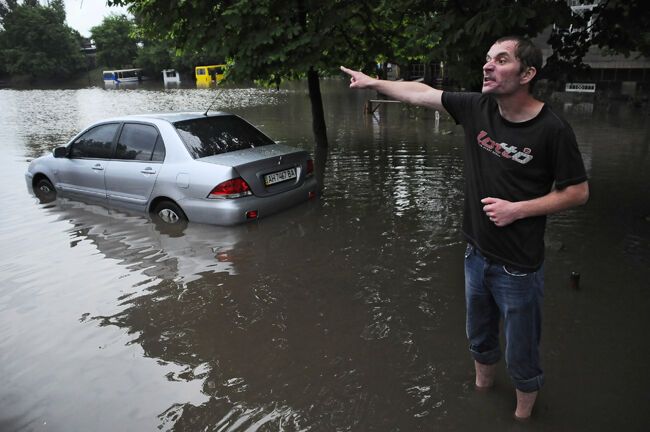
487	357
530	385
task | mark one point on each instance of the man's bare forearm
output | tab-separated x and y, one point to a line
503	213
414	93
406	91
556	201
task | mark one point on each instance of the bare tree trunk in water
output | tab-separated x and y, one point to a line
317	113
318	126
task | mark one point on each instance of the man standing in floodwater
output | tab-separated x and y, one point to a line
521	163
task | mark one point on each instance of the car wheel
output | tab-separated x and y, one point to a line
169	213
44	191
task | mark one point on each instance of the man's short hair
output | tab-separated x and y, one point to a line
528	54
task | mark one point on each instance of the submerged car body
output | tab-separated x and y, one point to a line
215	169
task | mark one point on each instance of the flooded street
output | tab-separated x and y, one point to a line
342	314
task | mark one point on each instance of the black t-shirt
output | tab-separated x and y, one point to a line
514	162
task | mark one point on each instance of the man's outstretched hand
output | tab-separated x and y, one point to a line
358	79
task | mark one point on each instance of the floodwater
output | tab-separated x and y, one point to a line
343	314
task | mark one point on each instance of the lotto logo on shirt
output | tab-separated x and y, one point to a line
504	150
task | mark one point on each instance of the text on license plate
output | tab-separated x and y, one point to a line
280	176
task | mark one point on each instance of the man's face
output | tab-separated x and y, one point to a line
501	72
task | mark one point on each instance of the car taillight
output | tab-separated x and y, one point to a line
310	168
234	188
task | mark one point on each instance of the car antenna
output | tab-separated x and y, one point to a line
213	101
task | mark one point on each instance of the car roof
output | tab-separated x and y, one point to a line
171	117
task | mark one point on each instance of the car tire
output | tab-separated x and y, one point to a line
169	213
45	191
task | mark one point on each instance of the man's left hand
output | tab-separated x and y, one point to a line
500	212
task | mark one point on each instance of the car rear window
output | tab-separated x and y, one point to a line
208	136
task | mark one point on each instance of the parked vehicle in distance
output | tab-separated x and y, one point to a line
206	75
122	76
214	169
171	76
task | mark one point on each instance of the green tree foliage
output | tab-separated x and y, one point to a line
271	40
467	28
621	26
6	6
116	45
617	26
155	56
460	32
36	43
268	39
470	27
404	31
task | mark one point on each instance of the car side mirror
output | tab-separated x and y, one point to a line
61	152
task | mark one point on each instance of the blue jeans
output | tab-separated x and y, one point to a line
494	292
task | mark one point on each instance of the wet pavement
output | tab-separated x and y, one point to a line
345	313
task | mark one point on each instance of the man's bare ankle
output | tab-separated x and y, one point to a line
525	404
484	375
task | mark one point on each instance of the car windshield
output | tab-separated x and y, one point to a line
208	136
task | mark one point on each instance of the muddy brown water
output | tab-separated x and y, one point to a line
343	314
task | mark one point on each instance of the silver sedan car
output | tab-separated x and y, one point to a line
214	169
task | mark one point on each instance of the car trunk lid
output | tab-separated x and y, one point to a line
268	170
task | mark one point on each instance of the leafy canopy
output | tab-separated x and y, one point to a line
36	43
615	26
114	38
274	39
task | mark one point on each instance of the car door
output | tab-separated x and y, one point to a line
82	172
132	173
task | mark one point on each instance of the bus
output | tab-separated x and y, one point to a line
122	75
206	75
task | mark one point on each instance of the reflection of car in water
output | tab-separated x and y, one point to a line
132	239
171	252
214	169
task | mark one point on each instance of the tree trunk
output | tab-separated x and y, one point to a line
317	113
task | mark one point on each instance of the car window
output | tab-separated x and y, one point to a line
97	143
137	142
158	151
208	136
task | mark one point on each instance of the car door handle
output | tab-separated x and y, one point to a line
98	167
148	170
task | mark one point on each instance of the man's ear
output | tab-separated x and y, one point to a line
528	75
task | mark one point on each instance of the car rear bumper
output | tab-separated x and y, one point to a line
234	211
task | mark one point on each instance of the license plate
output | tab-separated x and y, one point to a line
280	176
